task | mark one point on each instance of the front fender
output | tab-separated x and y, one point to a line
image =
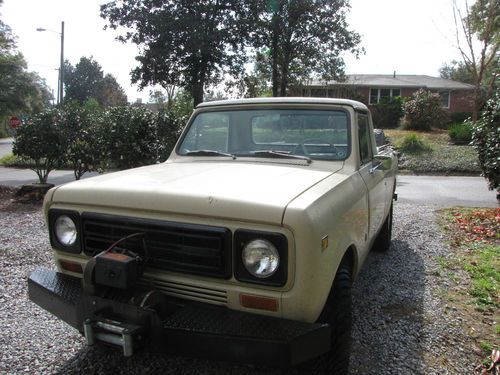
326	221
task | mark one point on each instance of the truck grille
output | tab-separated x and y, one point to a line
185	291
186	248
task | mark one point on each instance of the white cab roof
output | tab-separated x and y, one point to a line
284	100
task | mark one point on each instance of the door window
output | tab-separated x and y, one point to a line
365	141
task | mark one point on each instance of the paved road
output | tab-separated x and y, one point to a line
418	190
445	191
5	146
18	177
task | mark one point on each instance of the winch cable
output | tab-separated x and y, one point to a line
125	251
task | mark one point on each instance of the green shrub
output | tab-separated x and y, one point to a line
84	149
39	141
414	144
424	111
486	140
387	113
136	136
183	104
456	117
85	139
460	134
168	128
129	136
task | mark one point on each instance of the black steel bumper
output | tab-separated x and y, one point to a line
188	329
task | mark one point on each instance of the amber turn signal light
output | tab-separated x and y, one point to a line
260	303
70	266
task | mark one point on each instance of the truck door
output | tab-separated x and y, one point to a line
373	177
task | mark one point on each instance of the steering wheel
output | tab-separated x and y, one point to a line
301	148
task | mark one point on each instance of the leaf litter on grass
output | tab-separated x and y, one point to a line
475	238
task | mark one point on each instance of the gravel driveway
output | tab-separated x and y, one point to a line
401	324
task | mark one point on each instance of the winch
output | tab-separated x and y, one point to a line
112	275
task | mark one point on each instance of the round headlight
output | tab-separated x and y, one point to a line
65	230
260	258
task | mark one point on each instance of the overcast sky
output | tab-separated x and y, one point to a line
406	36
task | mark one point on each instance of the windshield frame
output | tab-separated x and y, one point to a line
262	109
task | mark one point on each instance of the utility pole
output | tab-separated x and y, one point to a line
60	86
61	68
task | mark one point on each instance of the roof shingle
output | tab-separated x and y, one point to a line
397	81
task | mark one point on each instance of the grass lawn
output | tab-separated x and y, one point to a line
441	157
10	160
473	269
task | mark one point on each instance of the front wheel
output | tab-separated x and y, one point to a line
338	314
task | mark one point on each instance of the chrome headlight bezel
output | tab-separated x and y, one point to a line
55	215
242	238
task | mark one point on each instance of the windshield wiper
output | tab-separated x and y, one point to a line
280	155
208	153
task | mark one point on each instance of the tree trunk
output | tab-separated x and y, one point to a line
284	82
197	93
275	76
477	104
284	72
170	91
275	52
43	174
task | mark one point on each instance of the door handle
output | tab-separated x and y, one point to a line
375	167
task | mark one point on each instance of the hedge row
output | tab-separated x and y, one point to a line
87	138
421	111
486	140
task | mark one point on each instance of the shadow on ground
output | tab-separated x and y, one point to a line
388	311
388	331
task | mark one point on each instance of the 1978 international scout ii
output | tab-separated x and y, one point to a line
242	246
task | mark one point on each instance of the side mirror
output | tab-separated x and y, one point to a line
382	163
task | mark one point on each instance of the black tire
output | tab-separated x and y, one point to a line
338	314
383	241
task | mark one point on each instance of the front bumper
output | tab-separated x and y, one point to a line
187	328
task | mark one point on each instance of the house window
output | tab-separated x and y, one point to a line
377	94
373	96
445	98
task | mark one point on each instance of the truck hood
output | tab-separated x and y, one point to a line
235	190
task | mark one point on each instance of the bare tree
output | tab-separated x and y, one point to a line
478	40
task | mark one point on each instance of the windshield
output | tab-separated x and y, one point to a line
293	133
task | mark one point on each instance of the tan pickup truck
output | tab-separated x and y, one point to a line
242	246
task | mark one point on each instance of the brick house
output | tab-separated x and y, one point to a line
370	88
